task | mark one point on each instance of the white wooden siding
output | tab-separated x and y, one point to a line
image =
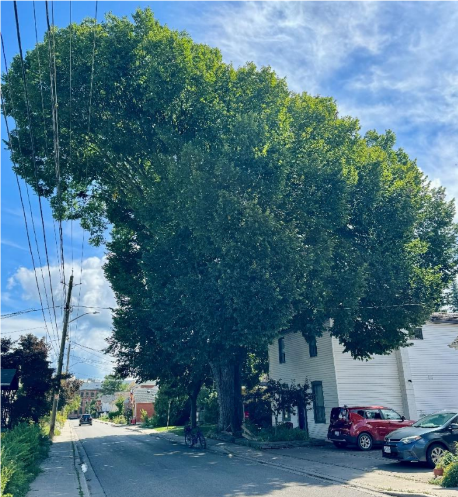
363	383
299	366
434	368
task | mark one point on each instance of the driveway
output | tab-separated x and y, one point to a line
362	461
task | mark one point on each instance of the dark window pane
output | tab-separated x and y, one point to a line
281	351
313	351
318	402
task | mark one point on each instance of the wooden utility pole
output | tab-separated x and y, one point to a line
55	400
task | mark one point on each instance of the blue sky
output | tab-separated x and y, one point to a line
391	64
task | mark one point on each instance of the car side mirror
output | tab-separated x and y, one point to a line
453	426
403	418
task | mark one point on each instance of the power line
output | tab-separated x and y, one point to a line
29	202
25	329
55	120
32	143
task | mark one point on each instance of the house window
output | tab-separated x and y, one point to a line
313	351
92	394
417	334
318	402
286	416
281	351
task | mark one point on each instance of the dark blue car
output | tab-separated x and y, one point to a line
426	440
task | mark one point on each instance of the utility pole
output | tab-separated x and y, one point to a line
52	423
68	356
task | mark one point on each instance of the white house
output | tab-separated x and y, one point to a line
414	380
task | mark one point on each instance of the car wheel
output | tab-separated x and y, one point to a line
434	454
340	445
365	441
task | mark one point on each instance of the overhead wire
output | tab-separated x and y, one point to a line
32	220
22	203
32	143
55	127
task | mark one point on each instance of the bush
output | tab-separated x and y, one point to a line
447	459
23	448
207	402
450	478
281	434
144	416
119	420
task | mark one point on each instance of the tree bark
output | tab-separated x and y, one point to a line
227	376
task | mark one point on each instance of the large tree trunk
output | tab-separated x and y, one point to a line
227	376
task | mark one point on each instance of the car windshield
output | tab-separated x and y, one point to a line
434	420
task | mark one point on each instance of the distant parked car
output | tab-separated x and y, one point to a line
426	440
363	426
86	419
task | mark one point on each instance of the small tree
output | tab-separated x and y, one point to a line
281	397
452	297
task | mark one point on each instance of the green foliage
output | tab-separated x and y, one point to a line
447	459
119	420
239	208
111	384
22	450
119	403
280	397
450	478
452	297
207	402
280	434
29	355
179	408
144	416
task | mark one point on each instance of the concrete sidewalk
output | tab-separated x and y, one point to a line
322	466
61	476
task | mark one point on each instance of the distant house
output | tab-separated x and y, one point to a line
89	392
143	397
414	380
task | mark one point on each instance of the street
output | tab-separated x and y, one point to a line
130	464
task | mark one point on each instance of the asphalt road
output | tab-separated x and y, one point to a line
129	464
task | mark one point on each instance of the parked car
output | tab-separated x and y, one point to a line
86	419
363	426
426	440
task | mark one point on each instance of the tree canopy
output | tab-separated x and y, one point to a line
29	356
238	209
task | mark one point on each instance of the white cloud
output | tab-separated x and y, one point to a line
91	330
393	65
305	41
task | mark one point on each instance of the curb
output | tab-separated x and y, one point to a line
88	478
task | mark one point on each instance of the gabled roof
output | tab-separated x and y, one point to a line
7	377
145	395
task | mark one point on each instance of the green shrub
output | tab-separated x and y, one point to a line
207	402
144	416
119	420
447	459
450	478
281	434
23	448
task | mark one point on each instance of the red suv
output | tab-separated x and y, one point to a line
363	426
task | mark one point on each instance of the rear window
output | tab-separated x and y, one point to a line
338	413
86	416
